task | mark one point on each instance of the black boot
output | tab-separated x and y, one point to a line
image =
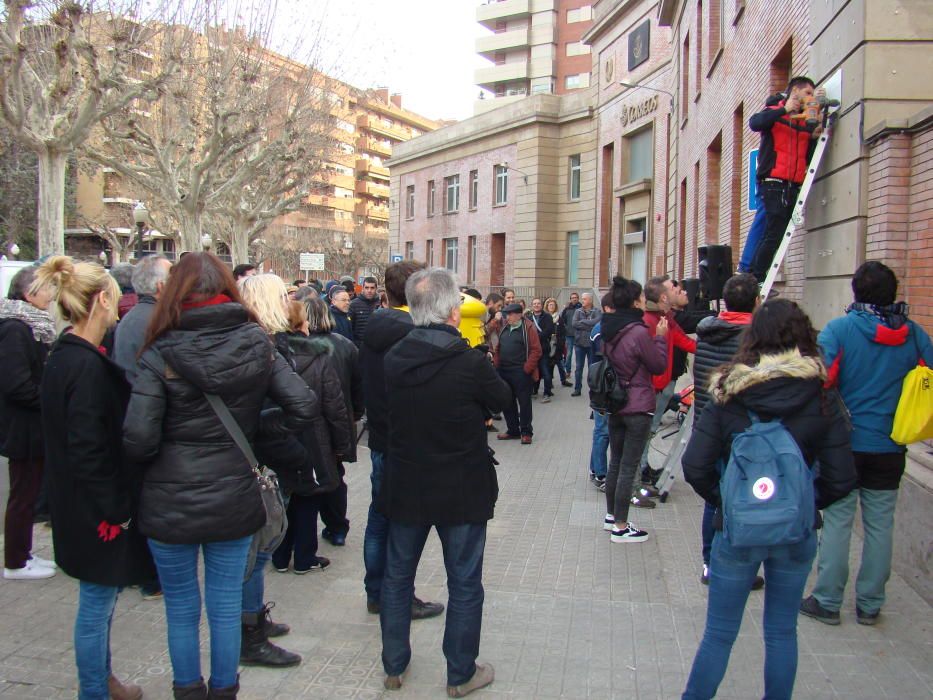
256	650
272	629
228	693
194	691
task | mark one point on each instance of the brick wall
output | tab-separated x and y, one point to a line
919	278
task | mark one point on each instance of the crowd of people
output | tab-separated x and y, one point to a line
126	395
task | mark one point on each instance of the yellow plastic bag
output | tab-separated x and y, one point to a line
913	420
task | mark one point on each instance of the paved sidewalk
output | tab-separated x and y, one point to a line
567	614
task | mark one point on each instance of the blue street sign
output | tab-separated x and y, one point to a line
752	192
396	258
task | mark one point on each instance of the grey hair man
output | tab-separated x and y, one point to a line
439	474
148	279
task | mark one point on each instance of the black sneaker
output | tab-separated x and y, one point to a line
564	382
600	483
422	609
758	583
629	534
321	564
811	608
704	577
574	393
866	618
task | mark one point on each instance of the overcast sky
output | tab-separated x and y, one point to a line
424	49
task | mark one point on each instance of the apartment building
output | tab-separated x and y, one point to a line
348	198
534	49
502	198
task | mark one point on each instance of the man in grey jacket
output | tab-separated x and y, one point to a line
584	319
149	276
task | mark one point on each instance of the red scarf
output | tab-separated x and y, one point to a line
213	301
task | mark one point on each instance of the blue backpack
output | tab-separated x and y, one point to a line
766	489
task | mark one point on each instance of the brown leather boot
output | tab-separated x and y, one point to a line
123	691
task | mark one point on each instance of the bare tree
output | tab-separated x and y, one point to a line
62	69
345	252
233	138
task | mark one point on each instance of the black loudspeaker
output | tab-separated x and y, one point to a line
691	286
715	268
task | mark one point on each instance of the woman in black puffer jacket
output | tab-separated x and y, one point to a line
199	492
325	441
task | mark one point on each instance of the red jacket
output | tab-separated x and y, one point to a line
785	144
675	337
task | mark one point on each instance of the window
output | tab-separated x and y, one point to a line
450	254
429	253
409	250
431	193
452	184
715	29
474	188
580	80
640	155
581	14
471	259
699	49
502	184
410	202
635	253
573	256
168	249
575	172
577	48
500	58
684	79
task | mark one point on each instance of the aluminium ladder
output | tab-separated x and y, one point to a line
796	217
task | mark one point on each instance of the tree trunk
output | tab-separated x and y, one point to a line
190	238
239	247
51	219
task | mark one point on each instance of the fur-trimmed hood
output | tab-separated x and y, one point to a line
740	378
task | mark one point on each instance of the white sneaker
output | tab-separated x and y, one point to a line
29	572
629	534
45	563
609	522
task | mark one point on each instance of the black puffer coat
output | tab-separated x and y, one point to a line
329	432
23	360
385	329
785	386
717	341
346	360
84	397
198	486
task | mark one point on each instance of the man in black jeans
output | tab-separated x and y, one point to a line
516	357
785	150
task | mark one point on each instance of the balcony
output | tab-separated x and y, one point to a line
364	165
488	45
507	72
347	182
372	211
376	125
372	189
323	200
373	146
498	10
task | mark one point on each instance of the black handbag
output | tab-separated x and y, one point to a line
270	535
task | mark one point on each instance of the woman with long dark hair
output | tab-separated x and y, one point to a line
92	491
635	356
199	493
777	374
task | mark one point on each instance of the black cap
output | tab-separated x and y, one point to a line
512	309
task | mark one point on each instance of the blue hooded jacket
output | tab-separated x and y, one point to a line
867	359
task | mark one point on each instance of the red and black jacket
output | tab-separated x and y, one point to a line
785	144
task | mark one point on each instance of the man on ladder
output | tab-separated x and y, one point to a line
787	143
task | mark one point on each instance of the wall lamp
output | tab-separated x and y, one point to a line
505	164
646	87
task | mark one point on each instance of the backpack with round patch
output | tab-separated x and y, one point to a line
766	488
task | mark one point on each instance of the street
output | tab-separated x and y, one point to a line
567	614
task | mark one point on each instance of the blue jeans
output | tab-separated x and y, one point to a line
877	548
754	237
254	587
707	532
224	564
569	360
583	355
732	572
376	537
547	376
598	461
92	639
463	547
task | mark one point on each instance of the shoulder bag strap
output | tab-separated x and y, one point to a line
220	408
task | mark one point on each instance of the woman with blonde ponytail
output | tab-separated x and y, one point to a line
92	491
